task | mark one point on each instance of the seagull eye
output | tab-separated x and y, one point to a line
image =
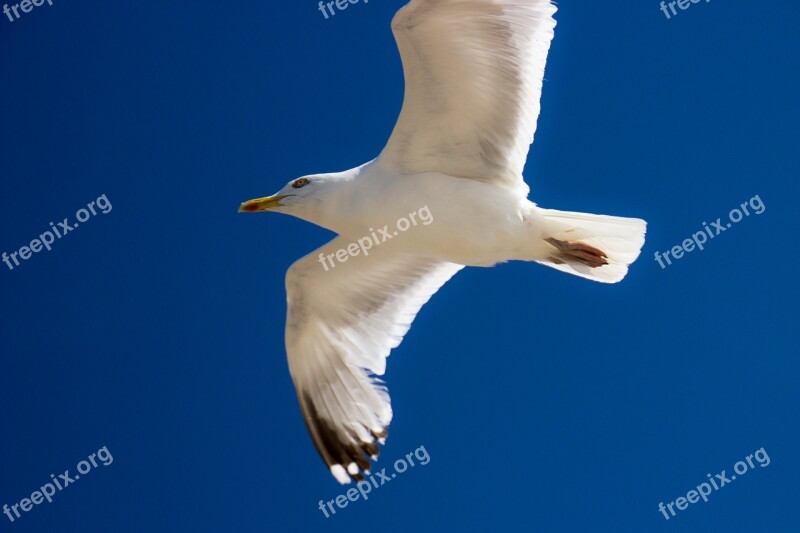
302	182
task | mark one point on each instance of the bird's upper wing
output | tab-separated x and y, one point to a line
341	325
473	71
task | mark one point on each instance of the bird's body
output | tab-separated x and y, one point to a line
474	71
501	226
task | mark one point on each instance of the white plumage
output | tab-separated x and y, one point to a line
474	71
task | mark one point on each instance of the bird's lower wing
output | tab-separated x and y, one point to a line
473	72
341	325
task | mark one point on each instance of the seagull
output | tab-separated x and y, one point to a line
473	81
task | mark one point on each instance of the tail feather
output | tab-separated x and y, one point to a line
619	239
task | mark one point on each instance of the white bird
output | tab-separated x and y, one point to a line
473	72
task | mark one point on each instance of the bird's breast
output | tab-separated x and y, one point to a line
453	219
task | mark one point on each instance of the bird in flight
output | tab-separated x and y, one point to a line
473	81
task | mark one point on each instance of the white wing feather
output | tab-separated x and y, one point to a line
473	71
341	326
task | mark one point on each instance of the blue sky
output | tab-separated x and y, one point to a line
545	402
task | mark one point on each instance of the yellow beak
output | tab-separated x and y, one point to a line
262	204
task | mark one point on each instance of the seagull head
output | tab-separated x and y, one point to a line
292	194
303	198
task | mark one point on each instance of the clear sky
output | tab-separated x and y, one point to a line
544	402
